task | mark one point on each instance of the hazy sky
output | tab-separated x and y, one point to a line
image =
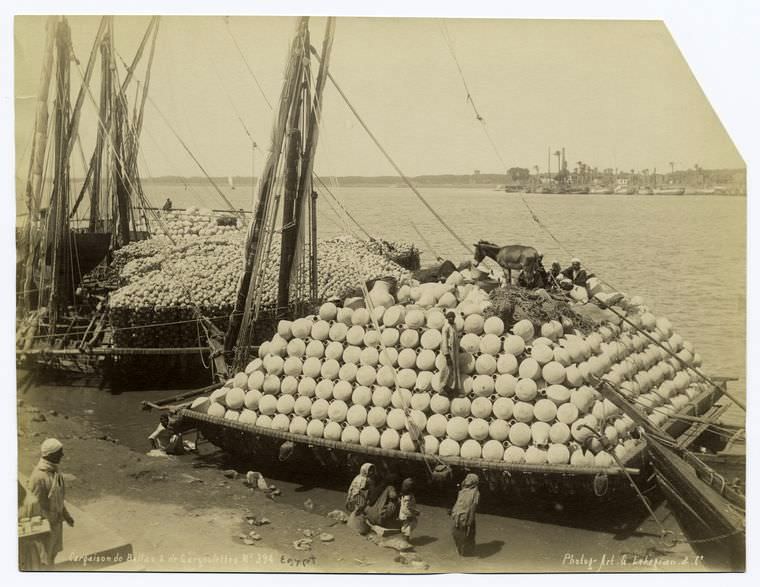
613	93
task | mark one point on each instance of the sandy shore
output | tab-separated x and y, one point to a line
189	514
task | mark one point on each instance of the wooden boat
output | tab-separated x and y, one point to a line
669	191
53	311
708	518
559	482
625	190
581	189
592	485
710	511
645	191
601	190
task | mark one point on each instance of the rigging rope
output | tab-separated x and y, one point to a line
269	104
390	160
699	373
478	116
248	67
427	243
194	158
343	209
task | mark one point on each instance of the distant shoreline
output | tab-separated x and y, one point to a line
496	187
483	181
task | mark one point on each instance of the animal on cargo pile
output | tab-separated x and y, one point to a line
510	256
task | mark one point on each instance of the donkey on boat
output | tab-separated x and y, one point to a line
510	257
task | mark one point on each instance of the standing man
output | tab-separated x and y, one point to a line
450	350
576	273
463	515
45	497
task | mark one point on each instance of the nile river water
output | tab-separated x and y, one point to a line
685	255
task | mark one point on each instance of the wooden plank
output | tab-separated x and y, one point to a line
697	428
712	509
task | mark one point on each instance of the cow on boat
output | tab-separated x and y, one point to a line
509	257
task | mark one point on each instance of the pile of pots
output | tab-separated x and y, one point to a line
373	377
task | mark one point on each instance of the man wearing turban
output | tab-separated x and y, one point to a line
575	273
45	497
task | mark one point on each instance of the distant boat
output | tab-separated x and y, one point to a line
579	189
601	190
625	190
230	182
645	190
669	191
513	189
704	191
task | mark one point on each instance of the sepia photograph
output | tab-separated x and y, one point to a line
382	295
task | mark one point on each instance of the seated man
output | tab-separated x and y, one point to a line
534	280
554	276
575	273
164	437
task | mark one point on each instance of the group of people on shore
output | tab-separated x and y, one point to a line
372	501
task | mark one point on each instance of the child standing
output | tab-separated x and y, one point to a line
408	512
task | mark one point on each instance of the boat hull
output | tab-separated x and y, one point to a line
92	248
596	485
669	191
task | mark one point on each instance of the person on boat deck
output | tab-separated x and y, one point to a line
164	437
463	515
357	497
450	348
46	494
384	511
408	512
167	205
534	280
576	273
554	275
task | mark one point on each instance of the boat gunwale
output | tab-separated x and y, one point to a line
479	463
691	408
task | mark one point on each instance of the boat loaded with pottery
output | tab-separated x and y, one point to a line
363	381
328	353
557	399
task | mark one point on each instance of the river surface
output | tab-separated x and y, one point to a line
685	255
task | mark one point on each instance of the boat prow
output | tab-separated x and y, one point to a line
91	248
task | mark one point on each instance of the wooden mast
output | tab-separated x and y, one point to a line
302	198
306	193
58	226
36	165
290	203
97	162
298	118
241	313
